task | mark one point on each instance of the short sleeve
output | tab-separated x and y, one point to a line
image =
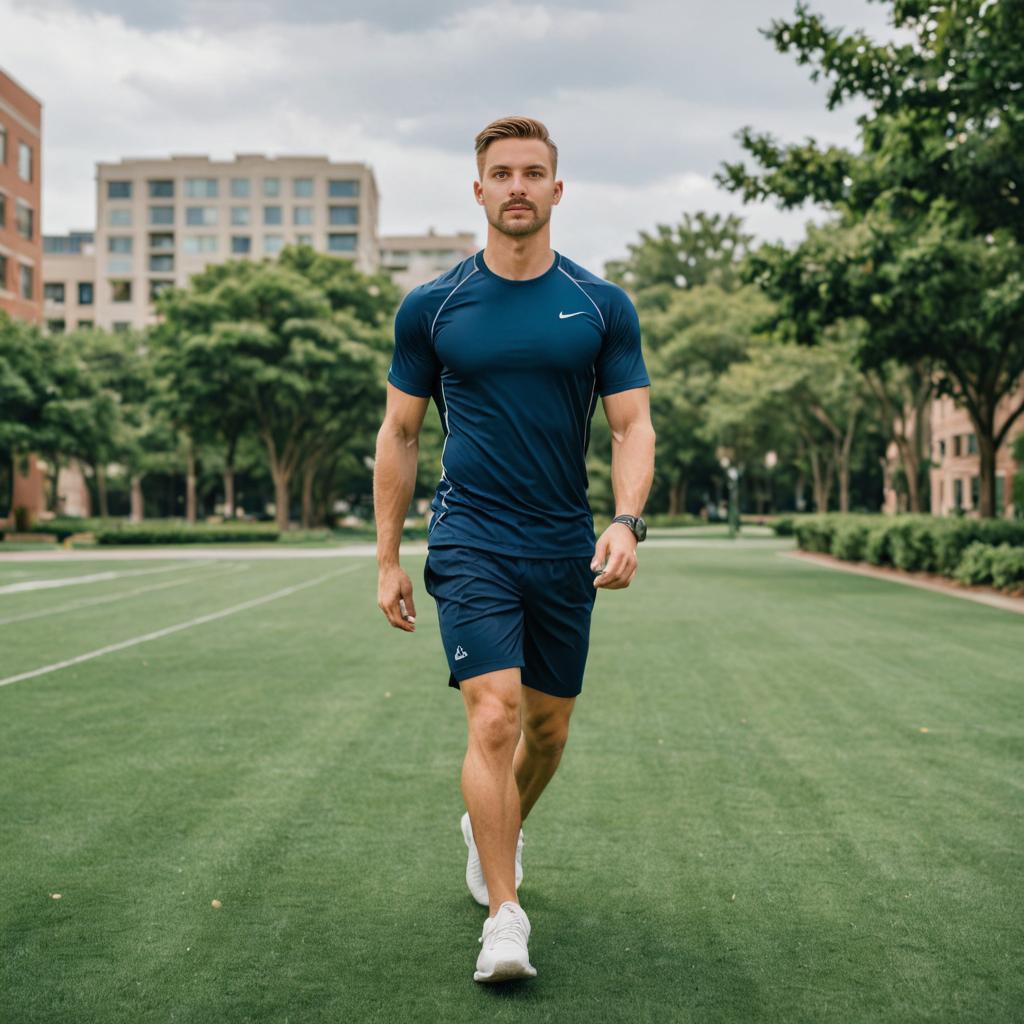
414	365
620	365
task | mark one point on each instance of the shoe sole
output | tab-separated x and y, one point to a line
507	970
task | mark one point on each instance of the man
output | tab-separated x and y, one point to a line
514	344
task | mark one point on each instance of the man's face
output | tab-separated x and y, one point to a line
517	187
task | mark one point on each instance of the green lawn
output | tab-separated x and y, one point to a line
751	822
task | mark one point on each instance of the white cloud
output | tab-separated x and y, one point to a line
643	99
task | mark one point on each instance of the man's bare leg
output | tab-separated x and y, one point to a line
488	782
545	721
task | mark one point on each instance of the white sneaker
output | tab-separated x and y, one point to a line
474	869
504	956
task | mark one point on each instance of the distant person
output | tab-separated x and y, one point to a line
514	344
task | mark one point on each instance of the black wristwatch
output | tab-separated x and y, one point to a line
636	524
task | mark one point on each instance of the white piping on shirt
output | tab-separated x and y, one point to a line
433	323
582	289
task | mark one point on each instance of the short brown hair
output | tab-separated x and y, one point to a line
514	128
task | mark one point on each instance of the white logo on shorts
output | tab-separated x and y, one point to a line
460	653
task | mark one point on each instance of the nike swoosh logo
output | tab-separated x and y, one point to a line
565	316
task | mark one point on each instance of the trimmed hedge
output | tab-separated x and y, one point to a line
143	534
970	550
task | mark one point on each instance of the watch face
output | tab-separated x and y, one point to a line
640	529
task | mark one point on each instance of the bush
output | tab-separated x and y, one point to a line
876	544
783	526
849	540
1008	567
911	545
815	533
664	519
184	534
63	527
975	565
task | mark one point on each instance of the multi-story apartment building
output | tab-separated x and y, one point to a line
21	172
158	221
69	286
415	259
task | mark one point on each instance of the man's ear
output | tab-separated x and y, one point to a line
559	189
478	193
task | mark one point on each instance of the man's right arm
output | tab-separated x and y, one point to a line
394	479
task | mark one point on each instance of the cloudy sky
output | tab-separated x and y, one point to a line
643	98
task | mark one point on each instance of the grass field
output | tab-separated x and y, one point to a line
790	795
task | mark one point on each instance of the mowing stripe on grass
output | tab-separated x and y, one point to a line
96	577
168	630
88	602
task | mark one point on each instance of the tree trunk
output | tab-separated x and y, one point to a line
987	471
843	459
101	489
229	492
282	488
308	476
138	506
818	483
677	496
190	483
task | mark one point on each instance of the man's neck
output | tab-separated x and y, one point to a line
519	259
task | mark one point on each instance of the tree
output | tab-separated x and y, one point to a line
289	345
926	245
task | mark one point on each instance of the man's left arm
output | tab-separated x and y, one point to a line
629	416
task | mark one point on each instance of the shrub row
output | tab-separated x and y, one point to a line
1001	565
917	543
182	534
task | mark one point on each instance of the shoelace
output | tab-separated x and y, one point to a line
513	928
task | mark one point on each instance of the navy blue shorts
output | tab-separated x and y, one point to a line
505	611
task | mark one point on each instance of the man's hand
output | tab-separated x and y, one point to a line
616	551
394	598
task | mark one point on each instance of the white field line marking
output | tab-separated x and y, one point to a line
95	577
168	630
88	602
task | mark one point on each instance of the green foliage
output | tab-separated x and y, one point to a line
182	533
1001	565
876	545
975	564
784	526
849	540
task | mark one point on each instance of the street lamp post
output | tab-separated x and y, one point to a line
732	476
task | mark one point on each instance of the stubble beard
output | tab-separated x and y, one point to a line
518	230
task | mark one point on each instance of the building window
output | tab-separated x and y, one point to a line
24	219
85	293
159	215
241	244
3	210
86	324
24	161
271	187
958	493
53	291
157	287
3	146
161	188
119	218
344	214
201	216
120	326
302	188
201	188
240	188
240	216
120	291
972	444
119	190
304	239
942	450
272	215
161	240
161	264
956	444
118	265
302	215
119	243
343	189
975	491
56	326
3	272
27	281
273	244
341	242
200	243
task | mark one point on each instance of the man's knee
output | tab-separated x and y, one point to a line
547	735
494	721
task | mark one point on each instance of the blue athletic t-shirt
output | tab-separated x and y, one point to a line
515	368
